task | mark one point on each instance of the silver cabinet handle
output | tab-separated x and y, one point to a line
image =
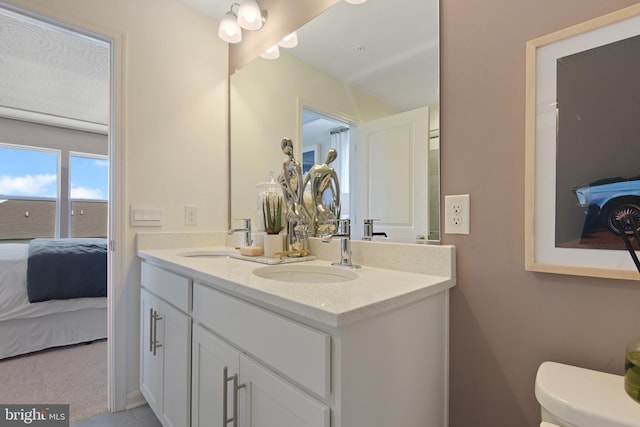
150	329
236	387
155	331
225	379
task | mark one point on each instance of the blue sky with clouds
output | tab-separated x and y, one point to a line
31	173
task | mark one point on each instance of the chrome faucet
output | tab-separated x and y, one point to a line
246	236
343	232
368	230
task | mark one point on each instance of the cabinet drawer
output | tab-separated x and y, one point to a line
299	352
167	285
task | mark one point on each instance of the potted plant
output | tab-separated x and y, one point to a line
272	216
272	213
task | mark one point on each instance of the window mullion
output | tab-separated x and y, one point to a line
64	218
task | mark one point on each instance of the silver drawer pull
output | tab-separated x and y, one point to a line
236	387
150	329
156	344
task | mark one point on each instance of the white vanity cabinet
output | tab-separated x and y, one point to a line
253	395
390	369
256	395
226	356
165	349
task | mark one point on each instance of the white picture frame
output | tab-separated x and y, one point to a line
541	253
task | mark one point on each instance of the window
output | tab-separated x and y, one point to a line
38	200
28	192
88	195
89	177
27	172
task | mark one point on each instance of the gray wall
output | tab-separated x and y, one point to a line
506	321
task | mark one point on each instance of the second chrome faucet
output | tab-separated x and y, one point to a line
246	232
343	232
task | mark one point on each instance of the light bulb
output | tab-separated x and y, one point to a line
249	15
289	41
229	30
272	53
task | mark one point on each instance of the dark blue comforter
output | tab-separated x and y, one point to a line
66	268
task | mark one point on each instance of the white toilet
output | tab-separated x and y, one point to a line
576	397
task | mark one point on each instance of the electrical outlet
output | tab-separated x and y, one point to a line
456	214
190	215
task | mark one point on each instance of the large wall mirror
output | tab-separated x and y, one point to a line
363	79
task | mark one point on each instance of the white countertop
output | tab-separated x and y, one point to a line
333	304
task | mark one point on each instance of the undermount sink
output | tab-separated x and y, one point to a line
208	253
305	274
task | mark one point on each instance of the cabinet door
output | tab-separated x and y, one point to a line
175	327
210	356
269	401
150	365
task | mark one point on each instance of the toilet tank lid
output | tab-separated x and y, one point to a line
585	397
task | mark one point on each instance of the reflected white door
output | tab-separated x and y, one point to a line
391	175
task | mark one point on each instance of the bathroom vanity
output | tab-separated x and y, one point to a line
224	344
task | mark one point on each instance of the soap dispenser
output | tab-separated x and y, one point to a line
632	369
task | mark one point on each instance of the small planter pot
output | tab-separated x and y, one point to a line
272	243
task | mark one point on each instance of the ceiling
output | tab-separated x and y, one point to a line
46	70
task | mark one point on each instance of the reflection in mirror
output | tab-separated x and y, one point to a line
376	99
325	143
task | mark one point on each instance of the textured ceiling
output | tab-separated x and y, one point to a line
48	70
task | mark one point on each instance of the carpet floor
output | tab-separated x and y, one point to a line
74	375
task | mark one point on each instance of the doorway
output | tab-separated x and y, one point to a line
60	102
320	133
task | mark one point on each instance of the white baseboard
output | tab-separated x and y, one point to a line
135	399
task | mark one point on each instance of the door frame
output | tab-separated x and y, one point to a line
116	318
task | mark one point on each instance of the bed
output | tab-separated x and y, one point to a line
43	298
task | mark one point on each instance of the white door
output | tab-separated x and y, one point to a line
391	175
150	364
270	401
176	345
209	358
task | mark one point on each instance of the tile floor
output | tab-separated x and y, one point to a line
137	417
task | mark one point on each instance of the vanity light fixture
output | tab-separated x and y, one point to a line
289	41
229	30
355	1
248	16
272	53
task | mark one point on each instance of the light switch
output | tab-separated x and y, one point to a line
146	216
190	215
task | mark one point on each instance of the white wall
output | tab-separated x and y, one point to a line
172	133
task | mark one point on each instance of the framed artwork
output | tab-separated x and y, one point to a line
582	147
310	157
